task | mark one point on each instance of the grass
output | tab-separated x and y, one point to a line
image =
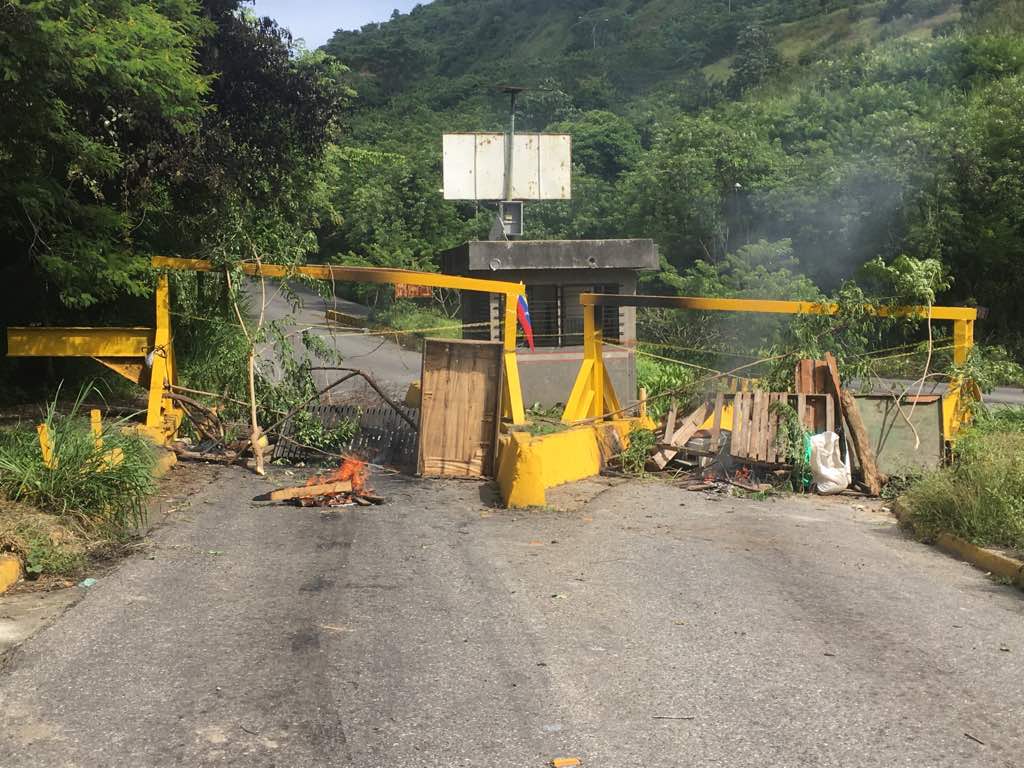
53	516
980	497
419	320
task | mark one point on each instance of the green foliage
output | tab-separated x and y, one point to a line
83	483
981	496
634	458
310	431
411	317
989	367
664	381
792	439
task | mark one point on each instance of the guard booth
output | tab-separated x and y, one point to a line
556	273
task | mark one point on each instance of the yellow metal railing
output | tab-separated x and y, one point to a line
594	397
146	355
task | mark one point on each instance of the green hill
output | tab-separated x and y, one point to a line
837	132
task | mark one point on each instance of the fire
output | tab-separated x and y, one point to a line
351	469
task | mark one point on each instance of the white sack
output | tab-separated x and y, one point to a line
831	474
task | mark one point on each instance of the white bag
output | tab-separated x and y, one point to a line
831	474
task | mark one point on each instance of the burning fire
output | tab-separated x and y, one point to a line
352	470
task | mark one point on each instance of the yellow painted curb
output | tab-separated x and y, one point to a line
164	461
985	559
10	571
988	560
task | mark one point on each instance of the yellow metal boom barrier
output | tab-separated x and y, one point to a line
594	398
146	355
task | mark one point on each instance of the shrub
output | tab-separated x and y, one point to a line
664	381
981	496
82	483
410	317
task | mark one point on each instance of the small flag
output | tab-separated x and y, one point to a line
523	312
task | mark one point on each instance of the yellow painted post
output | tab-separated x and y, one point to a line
963	340
512	396
96	422
45	445
593	333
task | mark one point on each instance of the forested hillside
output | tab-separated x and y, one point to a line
836	132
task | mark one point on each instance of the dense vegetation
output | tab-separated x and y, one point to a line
835	131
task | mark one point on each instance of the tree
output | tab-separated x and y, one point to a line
756	60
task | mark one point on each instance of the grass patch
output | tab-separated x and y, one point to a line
419	320
54	516
980	497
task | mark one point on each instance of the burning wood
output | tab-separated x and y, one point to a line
343	487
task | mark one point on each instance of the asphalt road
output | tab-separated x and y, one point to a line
648	626
390	365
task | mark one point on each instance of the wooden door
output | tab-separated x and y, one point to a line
460	405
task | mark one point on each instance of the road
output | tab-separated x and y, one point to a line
645	626
391	366
1000	396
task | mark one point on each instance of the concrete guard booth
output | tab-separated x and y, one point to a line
555	273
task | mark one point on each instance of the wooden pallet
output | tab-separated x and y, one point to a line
756	424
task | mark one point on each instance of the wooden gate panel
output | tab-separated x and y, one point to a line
460	405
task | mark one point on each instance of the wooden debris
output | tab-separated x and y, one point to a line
690	426
309	491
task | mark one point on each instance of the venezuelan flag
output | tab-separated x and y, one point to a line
523	312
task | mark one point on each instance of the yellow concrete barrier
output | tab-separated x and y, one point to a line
528	465
10	571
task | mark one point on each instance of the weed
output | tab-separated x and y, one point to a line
83	481
410	317
634	457
980	497
544	421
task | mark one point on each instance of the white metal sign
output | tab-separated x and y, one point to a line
474	166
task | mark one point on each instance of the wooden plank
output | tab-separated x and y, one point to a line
757	449
741	426
772	456
310	491
716	426
835	389
766	445
830	418
801	409
690	426
670	422
738	427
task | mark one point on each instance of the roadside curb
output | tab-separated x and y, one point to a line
987	560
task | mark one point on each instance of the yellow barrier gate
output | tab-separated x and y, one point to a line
146	355
593	396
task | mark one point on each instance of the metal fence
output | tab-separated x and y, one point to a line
383	437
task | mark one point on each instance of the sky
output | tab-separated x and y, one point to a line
316	20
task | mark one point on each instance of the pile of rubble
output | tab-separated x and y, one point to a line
757	440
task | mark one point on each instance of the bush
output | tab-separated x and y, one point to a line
83	483
981	496
664	382
410	317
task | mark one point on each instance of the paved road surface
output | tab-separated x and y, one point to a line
998	396
389	364
440	631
